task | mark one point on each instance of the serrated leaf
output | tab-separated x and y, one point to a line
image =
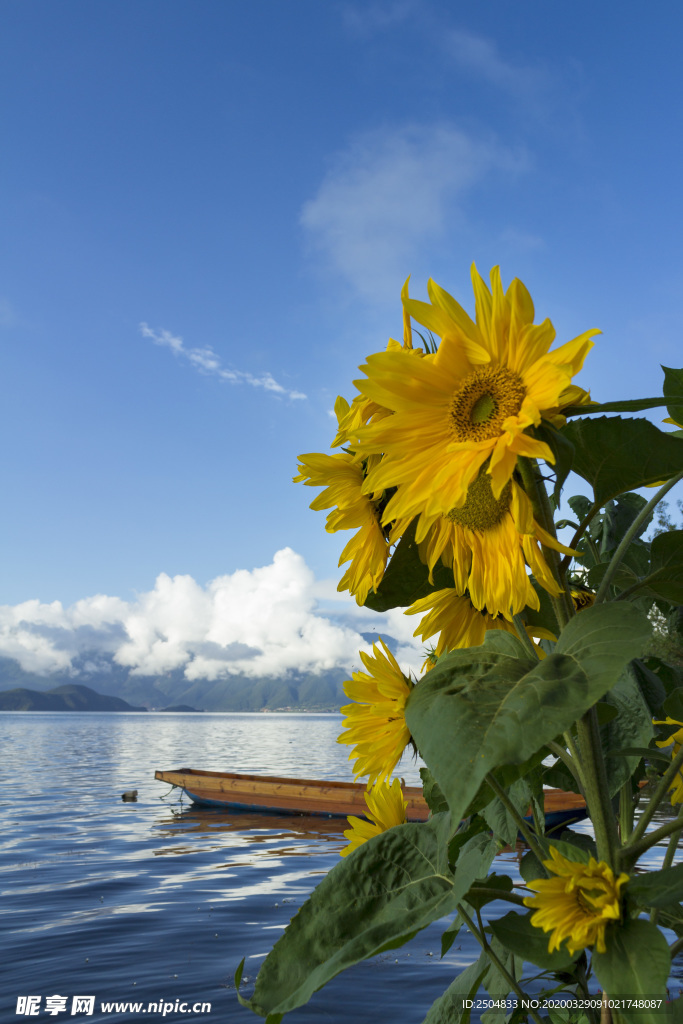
448	1008
658	888
434	798
673	391
635	965
616	455
666	564
562	449
603	639
375	899
406	577
476	711
496	883
517	933
632	727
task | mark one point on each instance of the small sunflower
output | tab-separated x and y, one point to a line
578	904
376	722
676	787
489	542
473	402
386	808
582	597
455	618
368	550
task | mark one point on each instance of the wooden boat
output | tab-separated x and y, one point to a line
330	799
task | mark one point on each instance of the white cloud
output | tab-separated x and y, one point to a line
206	361
368	18
260	622
389	193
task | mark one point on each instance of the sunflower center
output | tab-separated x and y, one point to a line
481	510
482	403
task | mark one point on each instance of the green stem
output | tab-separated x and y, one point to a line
676	947
496	894
481	939
660	792
632	532
530	837
543	513
633	851
669	856
583	526
626	809
558	750
597	789
524	637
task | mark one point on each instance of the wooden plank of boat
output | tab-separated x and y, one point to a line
313	796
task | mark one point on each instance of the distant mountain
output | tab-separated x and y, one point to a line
70	697
296	691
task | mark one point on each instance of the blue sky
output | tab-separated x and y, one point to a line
209	210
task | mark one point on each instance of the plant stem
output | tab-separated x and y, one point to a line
676	947
660	792
583	526
669	856
597	790
633	851
524	637
498	894
535	489
568	760
530	837
630	534
481	939
626	809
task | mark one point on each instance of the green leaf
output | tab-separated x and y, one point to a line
627	405
448	1008
651	686
651	753
658	888
623	577
562	449
616	455
500	820
631	728
407	578
666	564
603	639
498	883
375	899
617	518
520	936
434	798
451	934
673	391
635	965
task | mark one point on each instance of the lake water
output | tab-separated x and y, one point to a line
157	901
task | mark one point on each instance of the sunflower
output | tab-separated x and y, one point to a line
676	787
471	403
454	616
578	904
582	597
386	808
376	722
489	542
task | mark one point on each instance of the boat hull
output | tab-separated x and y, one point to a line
276	795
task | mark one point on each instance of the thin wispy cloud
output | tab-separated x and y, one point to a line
266	621
206	361
378	16
390	193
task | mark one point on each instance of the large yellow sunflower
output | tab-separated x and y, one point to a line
454	616
578	904
489	542
386	808
376	722
471	403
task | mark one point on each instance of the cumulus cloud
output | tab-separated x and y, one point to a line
206	361
266	621
392	191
